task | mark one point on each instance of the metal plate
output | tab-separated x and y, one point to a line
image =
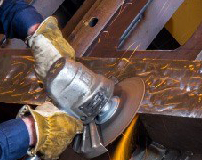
131	92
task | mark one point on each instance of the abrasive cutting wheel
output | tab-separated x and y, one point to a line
130	92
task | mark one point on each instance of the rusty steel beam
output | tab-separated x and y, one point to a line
92	23
152	21
77	17
104	43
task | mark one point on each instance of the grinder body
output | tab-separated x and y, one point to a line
77	90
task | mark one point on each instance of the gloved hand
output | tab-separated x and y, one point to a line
48	45
54	129
69	84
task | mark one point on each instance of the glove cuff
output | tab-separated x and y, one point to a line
54	130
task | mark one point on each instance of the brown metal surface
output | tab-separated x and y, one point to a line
110	36
77	17
83	35
172	87
18	83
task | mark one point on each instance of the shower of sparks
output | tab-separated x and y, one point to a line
122	8
117	72
127	61
124	149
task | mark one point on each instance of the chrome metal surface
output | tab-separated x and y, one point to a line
78	90
108	110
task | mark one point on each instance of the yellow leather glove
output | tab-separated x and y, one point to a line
55	129
48	45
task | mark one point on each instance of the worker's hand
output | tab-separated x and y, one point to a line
54	129
48	45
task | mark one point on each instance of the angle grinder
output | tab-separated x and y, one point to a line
105	108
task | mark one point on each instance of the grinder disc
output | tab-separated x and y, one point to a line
131	92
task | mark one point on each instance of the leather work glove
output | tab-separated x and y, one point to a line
48	45
54	129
